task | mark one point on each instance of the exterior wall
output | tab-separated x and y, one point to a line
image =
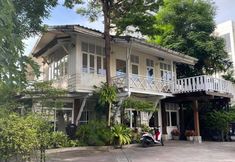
228	27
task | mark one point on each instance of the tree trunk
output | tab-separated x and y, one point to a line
107	38
109	114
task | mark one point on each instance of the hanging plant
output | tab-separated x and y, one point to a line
141	105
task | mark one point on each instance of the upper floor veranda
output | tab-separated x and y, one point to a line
73	57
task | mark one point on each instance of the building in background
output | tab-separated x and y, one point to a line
226	30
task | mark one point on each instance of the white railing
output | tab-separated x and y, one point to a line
143	83
203	83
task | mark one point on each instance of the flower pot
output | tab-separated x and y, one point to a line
175	137
190	138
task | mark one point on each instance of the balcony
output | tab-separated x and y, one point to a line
157	86
203	83
143	84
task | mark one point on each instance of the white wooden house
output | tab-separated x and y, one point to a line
73	57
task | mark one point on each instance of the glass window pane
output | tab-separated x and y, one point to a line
120	67
173	119
135	69
98	50
92	63
84	63
99	68
92	48
84	47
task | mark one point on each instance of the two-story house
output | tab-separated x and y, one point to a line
73	57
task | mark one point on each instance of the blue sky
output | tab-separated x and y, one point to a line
61	15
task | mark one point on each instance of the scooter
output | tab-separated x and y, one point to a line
149	139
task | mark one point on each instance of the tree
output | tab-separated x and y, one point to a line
19	20
107	95
118	14
219	121
186	26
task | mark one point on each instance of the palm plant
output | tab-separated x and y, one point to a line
121	135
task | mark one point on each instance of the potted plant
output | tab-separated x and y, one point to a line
189	134
175	134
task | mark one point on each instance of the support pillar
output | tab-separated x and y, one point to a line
164	122
182	124
197	137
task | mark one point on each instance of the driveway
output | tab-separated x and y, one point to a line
173	151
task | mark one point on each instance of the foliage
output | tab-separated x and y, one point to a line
141	105
17	137
219	121
122	13
107	94
22	136
94	133
175	132
135	136
121	135
59	139
19	20
145	128
189	133
186	26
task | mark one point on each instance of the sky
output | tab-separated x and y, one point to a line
61	16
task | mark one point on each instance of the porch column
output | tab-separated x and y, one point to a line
182	128
197	137
164	122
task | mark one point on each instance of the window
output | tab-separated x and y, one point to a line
135	64
120	67
149	63
171	118
92	64
227	41
93	59
58	67
84	63
166	72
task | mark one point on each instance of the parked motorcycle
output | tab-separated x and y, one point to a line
149	139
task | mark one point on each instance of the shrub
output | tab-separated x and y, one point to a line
175	132
95	133
145	128
189	133
135	136
59	139
120	135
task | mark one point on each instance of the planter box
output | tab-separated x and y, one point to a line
190	138
175	137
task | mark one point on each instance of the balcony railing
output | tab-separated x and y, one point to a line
143	84
203	83
140	84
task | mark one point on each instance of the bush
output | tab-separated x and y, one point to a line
189	133
121	135
135	136
175	132
95	133
145	128
59	139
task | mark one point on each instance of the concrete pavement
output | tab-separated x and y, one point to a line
173	151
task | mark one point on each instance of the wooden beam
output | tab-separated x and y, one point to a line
164	122
196	118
